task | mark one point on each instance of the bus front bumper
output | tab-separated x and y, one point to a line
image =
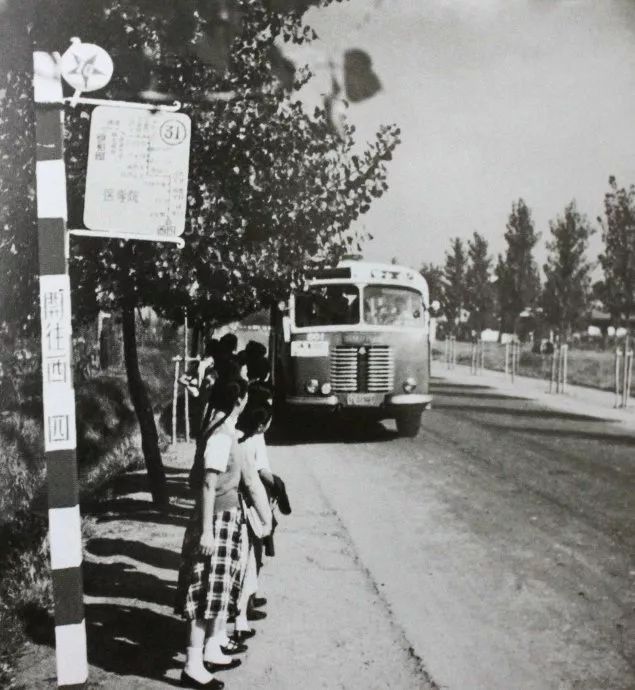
313	400
353	400
409	399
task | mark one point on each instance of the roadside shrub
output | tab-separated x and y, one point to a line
106	446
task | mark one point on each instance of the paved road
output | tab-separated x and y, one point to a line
499	539
494	551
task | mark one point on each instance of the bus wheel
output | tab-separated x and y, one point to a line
408	423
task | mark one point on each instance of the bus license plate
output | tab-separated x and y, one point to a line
363	399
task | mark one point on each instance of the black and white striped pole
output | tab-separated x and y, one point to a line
87	67
57	376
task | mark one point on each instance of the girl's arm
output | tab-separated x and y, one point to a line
267	478
215	457
208	497
258	494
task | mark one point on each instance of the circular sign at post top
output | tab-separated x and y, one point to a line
86	66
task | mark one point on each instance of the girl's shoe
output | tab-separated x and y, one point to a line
257	602
188	682
213	668
255	614
241	635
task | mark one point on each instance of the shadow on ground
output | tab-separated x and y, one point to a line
135	482
141	511
525	417
139	636
478	398
313	428
156	557
127	501
123	640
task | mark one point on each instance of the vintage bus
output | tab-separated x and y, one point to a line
356	339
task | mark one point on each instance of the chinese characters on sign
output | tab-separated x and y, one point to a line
59	401
137	173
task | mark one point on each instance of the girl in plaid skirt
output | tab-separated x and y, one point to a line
209	576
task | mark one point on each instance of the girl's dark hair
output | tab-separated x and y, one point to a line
260	391
258	368
254	350
228	343
227	392
252	418
224	396
211	348
227	367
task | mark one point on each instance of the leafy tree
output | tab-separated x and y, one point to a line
434	277
479	293
600	293
618	258
517	273
567	290
454	285
270	185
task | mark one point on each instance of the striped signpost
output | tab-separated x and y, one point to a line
87	67
57	377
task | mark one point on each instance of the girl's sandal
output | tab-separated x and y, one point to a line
233	647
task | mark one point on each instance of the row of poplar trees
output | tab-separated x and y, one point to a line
495	294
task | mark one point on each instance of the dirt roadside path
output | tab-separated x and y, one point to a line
579	400
327	625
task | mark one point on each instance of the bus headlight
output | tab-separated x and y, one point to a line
409	385
312	386
326	388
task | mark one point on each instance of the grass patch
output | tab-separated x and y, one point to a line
595	369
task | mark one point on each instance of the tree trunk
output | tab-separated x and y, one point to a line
144	412
501	326
196	337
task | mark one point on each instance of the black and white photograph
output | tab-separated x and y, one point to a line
317	325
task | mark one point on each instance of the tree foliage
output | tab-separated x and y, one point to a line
271	184
479	293
567	290
618	258
518	280
454	285
434	277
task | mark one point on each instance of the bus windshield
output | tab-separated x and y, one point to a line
327	305
393	306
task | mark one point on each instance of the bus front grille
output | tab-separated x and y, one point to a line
381	369
344	369
368	369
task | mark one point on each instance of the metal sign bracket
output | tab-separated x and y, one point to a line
179	241
76	99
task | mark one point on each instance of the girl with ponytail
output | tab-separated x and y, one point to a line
209	576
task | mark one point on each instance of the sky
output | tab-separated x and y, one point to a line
496	99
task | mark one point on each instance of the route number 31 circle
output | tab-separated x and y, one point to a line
172	132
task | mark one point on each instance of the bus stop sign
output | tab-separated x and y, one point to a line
136	181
